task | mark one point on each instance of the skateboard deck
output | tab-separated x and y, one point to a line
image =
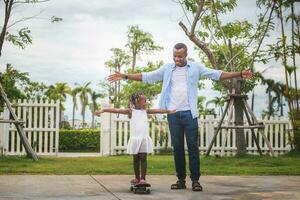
141	188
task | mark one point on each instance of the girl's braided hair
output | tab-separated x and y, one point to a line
133	99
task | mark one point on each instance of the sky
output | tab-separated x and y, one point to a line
75	50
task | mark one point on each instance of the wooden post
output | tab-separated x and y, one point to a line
4	131
19	128
212	141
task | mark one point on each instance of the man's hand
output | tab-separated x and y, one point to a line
98	112
115	77
247	74
171	111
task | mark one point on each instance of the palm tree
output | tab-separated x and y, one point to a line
84	92
59	92
279	91
94	106
271	100
259	76
294	20
218	102
73	93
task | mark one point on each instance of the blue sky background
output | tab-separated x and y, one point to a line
76	49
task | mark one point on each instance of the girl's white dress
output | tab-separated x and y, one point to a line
139	141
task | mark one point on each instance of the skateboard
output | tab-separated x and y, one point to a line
140	188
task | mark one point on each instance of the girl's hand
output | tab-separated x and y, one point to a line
172	111
98	112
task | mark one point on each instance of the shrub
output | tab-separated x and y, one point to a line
85	140
165	151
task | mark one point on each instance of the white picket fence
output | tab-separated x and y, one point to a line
115	134
41	128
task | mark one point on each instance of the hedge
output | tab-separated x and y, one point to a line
85	140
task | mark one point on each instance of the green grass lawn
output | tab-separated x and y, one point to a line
157	164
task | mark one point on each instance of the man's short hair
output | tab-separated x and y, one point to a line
180	46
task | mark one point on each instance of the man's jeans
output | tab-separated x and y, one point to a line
181	123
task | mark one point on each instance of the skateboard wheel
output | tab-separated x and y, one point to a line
148	191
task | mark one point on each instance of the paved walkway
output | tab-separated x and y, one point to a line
113	187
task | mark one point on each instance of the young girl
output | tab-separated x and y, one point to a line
140	143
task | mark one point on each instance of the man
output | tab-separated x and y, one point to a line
180	92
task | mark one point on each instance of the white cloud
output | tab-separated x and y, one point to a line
75	49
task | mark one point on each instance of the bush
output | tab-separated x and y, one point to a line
65	125
166	151
85	140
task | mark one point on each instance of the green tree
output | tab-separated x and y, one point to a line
292	17
213	37
275	92
35	90
140	42
282	52
58	92
11	81
93	105
18	86
83	90
218	103
118	61
271	100
279	89
73	93
20	37
202	109
149	90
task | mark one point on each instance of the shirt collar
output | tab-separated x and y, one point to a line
188	64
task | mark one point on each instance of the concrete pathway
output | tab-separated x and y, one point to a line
114	187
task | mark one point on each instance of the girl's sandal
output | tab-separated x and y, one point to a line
134	181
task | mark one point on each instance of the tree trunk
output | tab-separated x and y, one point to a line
281	105
133	61
270	103
239	121
83	117
119	88
222	110
252	100
293	111
61	117
293	53
115	93
8	7
73	116
93	117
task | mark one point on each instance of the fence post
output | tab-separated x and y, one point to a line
210	131
106	130
4	131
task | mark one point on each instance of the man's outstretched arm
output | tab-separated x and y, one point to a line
119	76
245	74
146	77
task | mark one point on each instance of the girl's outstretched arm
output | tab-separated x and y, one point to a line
154	111
113	110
